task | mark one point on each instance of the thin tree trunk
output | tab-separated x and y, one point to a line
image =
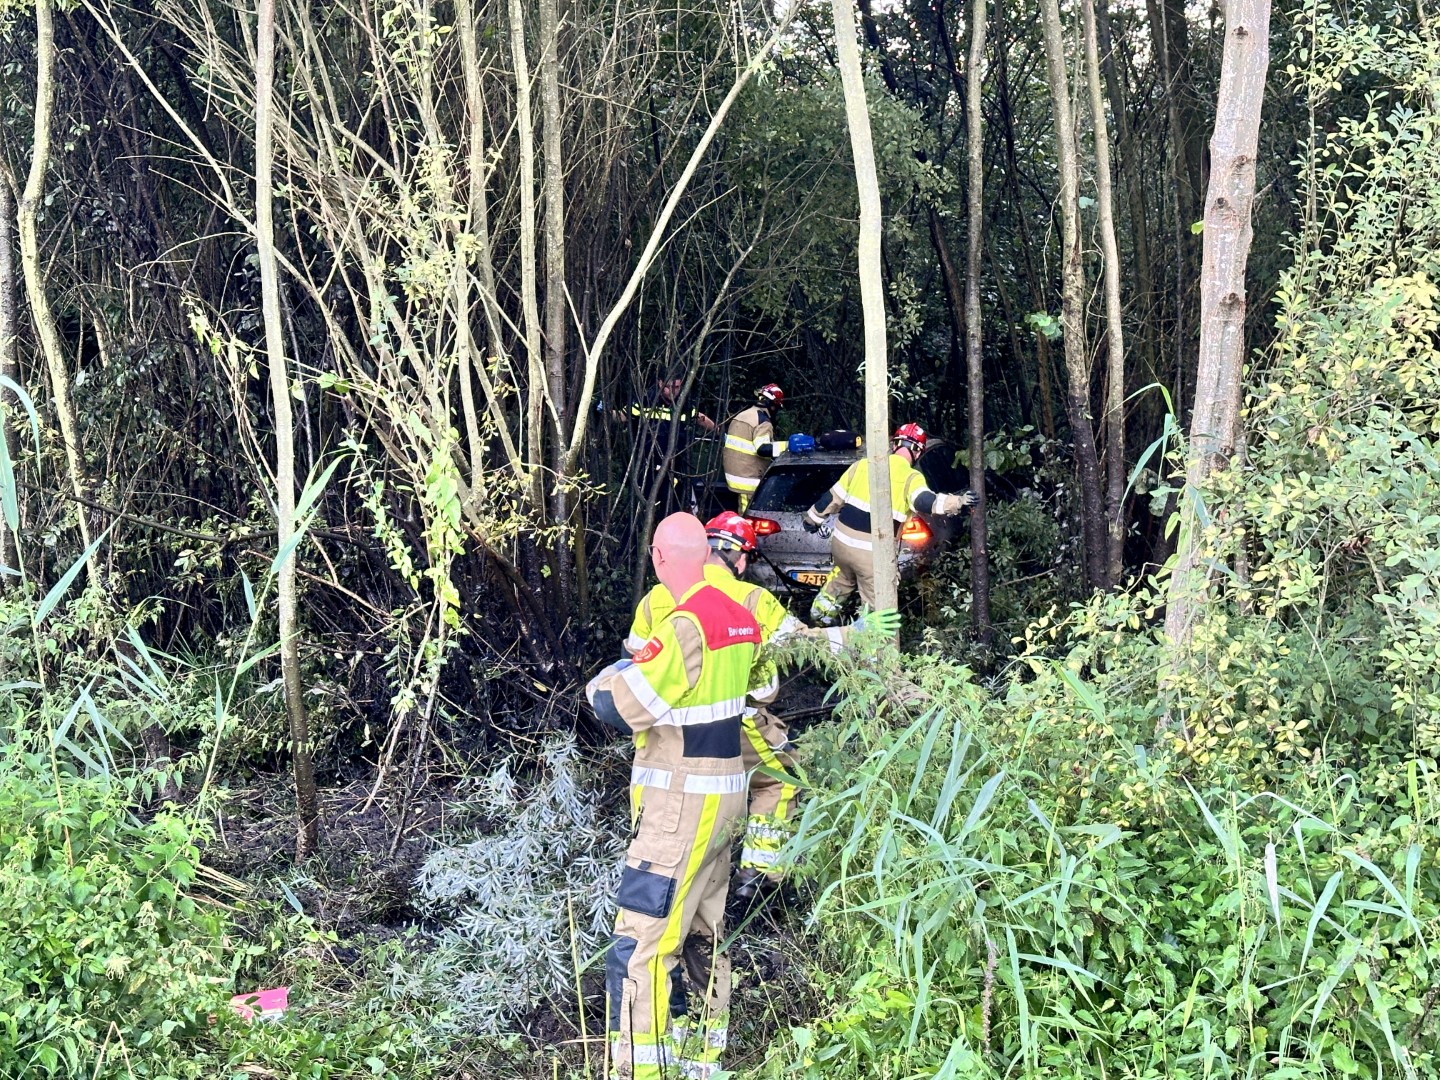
1072	310
872	303
1114	320
1214	425
9	543
556	315
307	803
529	278
1130	162
979	553
27	225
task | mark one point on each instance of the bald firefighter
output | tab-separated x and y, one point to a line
681	699
765	746
750	443
850	543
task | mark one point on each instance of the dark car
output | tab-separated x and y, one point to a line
792	558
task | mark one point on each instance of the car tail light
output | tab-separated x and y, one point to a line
914	531
765	526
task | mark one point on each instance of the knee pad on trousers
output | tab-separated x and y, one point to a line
617	971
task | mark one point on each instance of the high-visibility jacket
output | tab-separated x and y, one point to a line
749	444
776	624
683	695
851	497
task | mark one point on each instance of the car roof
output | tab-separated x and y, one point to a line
818	457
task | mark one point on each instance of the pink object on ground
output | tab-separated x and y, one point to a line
268	1004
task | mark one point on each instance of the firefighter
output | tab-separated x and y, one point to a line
766	739
850	544
681	698
657	421
750	443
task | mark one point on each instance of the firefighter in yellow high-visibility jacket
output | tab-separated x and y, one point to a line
765	746
850	544
681	698
750	443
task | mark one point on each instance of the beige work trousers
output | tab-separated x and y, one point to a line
671	912
854	570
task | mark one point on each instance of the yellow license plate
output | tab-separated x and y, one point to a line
809	577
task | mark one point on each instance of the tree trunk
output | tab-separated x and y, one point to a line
9	542
1129	163
307	803
1214	425
872	303
529	280
1114	320
1072	310
556	314
27	222
979	554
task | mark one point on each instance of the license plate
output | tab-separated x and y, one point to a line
809	577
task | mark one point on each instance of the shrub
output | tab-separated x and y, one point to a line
529	897
106	948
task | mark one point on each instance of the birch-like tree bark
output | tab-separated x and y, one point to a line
872	304
556	314
974	358
529	277
1072	310
1215	422
307	803
27	226
1114	324
9	543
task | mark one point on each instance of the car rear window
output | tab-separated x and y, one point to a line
795	487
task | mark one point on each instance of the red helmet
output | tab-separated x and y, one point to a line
772	394
912	434
728	529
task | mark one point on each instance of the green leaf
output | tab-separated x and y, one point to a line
61	587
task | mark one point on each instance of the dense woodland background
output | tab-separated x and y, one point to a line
364	410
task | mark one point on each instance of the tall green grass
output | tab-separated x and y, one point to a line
971	919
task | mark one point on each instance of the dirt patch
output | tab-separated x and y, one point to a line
361	879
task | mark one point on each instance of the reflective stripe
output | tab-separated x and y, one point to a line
698	1070
850	541
699	714
757	857
766	692
747	484
634	643
739	445
651	1054
642	775
634	678
729	784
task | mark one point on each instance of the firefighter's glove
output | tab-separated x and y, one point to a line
886	620
810	526
953	504
802	444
